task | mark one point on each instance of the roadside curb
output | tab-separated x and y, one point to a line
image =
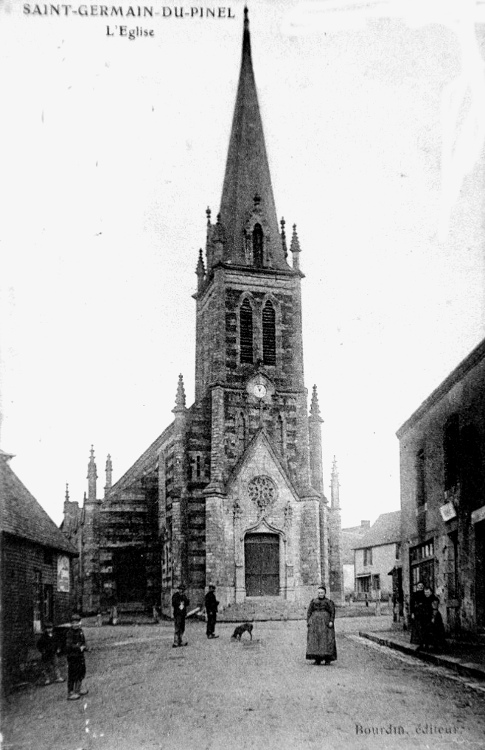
466	669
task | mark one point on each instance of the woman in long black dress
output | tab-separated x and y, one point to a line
418	615
321	644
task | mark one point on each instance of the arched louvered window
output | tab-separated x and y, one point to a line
269	334
258	245
280	436
246	332
241	432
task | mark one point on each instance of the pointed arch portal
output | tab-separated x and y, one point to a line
262	564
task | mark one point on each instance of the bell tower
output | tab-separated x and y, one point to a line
249	348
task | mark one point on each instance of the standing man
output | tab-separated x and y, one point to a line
179	605
211	605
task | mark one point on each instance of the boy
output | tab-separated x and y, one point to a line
49	648
211	605
76	665
179	605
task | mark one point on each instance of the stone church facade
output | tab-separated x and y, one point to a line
231	493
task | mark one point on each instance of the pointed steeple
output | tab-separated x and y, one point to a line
295	248
180	397
92	477
109	474
200	271
315	407
335	492
247	175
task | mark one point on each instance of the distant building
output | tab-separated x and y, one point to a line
36	573
351	537
442	455
231	492
376	555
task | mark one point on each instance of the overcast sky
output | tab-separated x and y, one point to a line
113	149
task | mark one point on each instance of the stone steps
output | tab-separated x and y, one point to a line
261	609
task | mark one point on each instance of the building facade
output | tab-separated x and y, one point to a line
442	449
232	491
376	556
36	574
351	537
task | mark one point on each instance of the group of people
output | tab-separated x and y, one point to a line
321	645
427	629
50	648
180	604
320	638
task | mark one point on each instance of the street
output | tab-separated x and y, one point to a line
219	694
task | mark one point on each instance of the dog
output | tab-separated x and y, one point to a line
246	627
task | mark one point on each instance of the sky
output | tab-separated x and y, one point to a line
374	119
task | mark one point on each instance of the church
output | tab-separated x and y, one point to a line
231	492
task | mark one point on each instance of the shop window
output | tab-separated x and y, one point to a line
421	560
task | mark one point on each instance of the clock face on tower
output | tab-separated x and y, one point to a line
259	390
258	387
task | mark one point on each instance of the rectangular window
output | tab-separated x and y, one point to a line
37	602
452	566
376	582
363	585
420	478
368	556
451	450
48	604
398	550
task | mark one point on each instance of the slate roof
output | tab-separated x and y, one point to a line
144	465
22	516
350	540
386	530
247	168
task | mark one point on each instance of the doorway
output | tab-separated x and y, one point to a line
262	564
130	575
480	573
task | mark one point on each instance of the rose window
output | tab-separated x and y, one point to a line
262	492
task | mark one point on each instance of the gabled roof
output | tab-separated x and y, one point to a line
143	465
460	371
22	516
386	530
261	438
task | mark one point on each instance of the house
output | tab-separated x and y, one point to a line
36	573
231	492
442	460
376	555
351	537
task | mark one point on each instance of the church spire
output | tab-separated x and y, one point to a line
335	492
247	175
